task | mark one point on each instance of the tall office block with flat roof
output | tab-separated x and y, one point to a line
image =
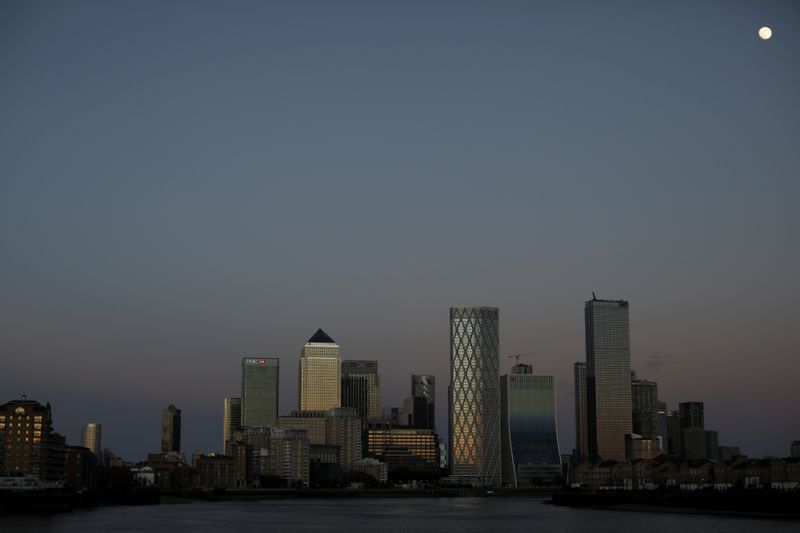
581	406
231	420
474	396
260	382
171	429
361	388
608	377
424	386
320	374
90	438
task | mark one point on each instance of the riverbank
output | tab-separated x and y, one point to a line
761	504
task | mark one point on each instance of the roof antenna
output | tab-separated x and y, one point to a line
593	296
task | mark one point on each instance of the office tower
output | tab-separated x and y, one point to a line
31	447
474	396
361	388
581	427
90	438
320	374
339	427
231	420
674	433
692	415
529	438
424	386
661	416
413	450
418	412
712	445
171	429
608	378
644	404
260	383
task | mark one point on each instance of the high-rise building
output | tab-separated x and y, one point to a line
320	374
424	386
581	423
530	452
608	378
361	388
231	420
31	446
794	449
260	382
674	444
474	396
171	429
418	412
644	404
692	415
90	438
339	427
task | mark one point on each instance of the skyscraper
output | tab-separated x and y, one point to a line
231	420
260	382
474	396
361	388
171	429
530	451
320	374
608	377
90	438
645	407
424	386
581	423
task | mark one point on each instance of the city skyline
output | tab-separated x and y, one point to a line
187	184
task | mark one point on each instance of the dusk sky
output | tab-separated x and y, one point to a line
183	184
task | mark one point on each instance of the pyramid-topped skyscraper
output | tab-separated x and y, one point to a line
320	374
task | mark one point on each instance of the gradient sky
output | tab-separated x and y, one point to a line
183	184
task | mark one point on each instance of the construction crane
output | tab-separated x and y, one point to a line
516	356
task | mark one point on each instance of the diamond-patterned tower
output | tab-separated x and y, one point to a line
475	396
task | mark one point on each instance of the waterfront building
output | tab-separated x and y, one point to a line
474	396
581	406
728	453
377	469
260	383
338	427
644	405
231	419
90	438
31	446
290	456
214	471
80	465
530	452
608	378
320	374
361	388
171	429
416	442
712	445
638	447
313	422
694	444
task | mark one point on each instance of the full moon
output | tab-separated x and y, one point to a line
765	33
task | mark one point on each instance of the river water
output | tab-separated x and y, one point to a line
459	515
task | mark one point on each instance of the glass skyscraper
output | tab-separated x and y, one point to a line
320	374
529	437
91	438
231	420
474	396
361	388
608	378
581	407
260	381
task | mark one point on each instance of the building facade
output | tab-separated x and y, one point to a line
171	429
529	437
581	406
361	388
31	447
91	438
645	407
231	419
474	396
320	374
260	382
424	386
608	378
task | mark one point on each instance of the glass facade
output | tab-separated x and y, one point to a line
320	374
171	429
529	436
91	437
260	381
474	396
581	406
231	420
361	388
608	378
645	405
423	386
